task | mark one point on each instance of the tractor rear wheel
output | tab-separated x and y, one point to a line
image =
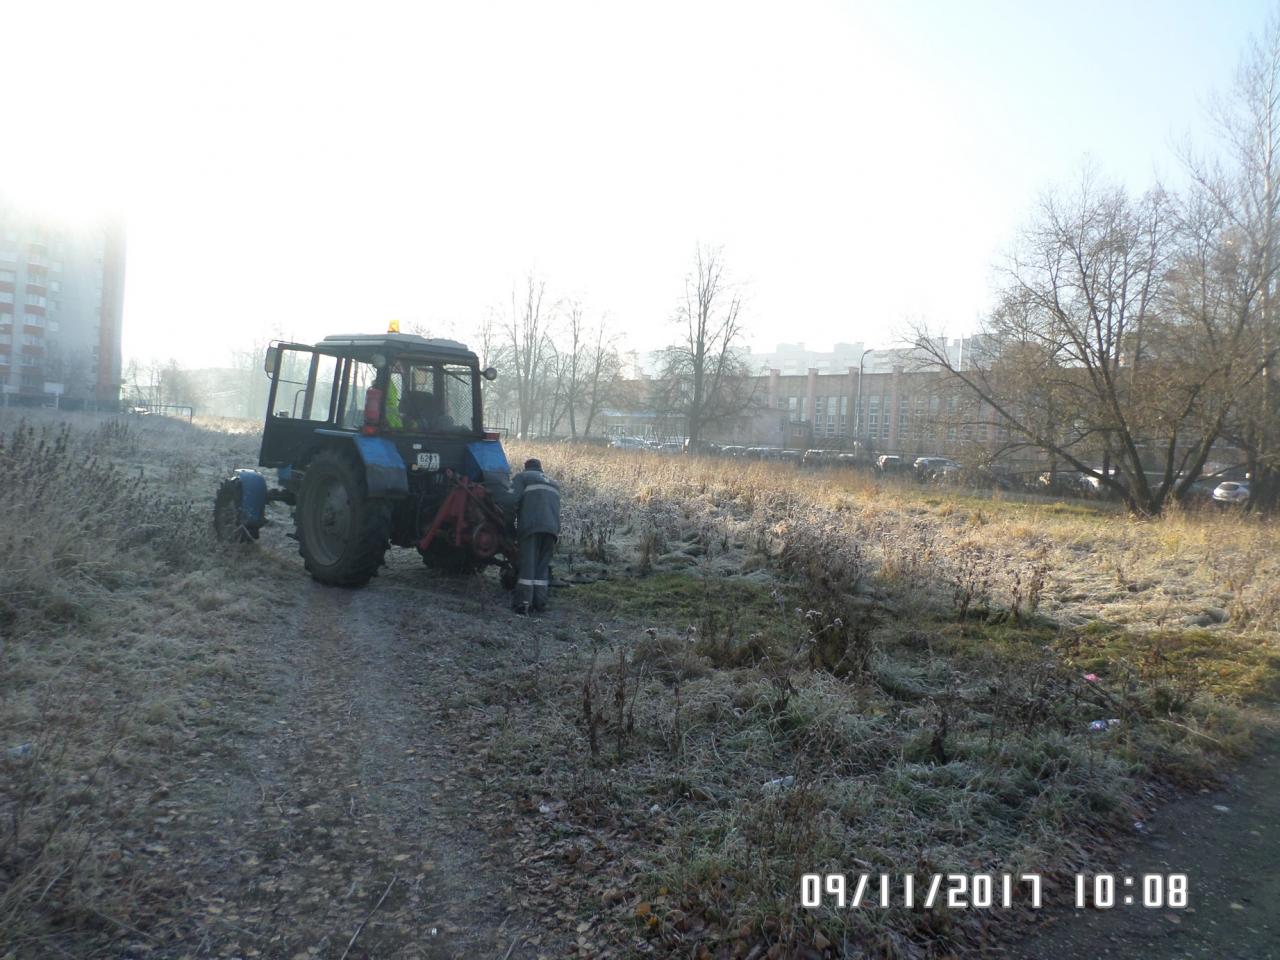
229	522
342	533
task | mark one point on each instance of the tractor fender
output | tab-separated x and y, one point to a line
385	474
253	497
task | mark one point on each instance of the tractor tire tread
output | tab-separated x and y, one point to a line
360	562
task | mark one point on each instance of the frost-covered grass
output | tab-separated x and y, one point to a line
924	664
116	617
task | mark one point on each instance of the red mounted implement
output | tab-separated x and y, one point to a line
469	521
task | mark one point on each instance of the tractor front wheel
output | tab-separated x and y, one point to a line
342	533
230	525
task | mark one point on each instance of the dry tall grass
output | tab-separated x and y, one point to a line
1079	561
106	565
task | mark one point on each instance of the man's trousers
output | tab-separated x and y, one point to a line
535	570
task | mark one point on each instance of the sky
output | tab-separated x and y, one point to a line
290	169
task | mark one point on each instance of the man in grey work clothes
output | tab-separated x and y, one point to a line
537	510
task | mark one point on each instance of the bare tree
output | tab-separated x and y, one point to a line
603	373
575	363
703	378
1243	191
249	386
526	330
1087	356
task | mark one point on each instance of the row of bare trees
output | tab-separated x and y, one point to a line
1134	335
561	369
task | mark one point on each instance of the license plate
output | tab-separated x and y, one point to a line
428	461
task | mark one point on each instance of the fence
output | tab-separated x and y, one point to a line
161	409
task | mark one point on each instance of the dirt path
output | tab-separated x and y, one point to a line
1228	842
350	793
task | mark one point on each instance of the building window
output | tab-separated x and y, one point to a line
35	300
8	276
844	406
6	296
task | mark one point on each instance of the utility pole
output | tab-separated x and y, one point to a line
857	406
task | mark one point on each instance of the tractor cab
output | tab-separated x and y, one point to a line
392	385
372	438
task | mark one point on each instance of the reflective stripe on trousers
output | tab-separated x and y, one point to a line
534	570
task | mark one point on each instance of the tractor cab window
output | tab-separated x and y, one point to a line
457	403
304	385
360	377
426	397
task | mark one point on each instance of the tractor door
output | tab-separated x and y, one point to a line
302	400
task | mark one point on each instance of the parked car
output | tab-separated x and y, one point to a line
947	472
1065	483
1231	491
628	443
889	463
733	451
671	446
820	458
929	468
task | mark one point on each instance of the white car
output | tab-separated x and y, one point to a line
1231	491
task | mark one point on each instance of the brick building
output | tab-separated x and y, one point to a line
900	406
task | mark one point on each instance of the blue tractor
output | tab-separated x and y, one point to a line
377	440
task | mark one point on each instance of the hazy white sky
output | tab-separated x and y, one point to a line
312	168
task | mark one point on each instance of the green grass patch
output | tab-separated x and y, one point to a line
678	600
1231	667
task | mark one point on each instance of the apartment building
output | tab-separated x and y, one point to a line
61	305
